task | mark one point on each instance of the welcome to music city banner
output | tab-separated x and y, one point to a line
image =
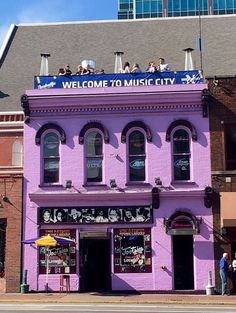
118	80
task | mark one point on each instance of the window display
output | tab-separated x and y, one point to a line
62	260
132	250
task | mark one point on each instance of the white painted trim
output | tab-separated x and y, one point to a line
12	113
11	172
14	130
9	166
6	40
14	123
126	21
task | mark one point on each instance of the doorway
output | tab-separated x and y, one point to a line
233	273
183	262
95	264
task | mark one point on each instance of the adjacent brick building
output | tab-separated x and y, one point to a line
223	160
11	173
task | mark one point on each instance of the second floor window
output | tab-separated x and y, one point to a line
17	153
230	138
94	157
51	158
181	155
137	156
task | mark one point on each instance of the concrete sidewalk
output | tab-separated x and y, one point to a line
115	298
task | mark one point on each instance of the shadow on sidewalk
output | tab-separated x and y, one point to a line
115	293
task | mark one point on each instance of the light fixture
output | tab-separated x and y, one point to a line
68	184
158	181
208	197
113	183
223	231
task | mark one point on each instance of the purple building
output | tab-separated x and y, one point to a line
124	169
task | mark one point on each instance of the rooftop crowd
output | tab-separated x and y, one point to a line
89	70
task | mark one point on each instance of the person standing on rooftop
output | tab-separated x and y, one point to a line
126	67
163	67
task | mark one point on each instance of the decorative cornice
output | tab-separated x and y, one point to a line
25	107
206	98
96	125
117	109
138	124
50	126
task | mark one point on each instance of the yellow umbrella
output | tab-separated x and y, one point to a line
49	241
46	241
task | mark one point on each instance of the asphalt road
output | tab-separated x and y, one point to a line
87	308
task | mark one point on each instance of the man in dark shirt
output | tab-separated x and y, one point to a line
224	268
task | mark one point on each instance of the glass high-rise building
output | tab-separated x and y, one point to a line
132	9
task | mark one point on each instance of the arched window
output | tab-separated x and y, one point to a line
51	157
181	155
182	223
94	157
17	153
137	156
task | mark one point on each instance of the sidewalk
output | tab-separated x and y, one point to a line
102	298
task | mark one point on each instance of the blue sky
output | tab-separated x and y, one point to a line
43	11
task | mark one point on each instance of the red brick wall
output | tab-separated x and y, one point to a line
222	111
11	210
6	142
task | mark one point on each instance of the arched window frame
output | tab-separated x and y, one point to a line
136	124
182	216
189	154
94	125
50	126
58	158
86	157
17	153
129	132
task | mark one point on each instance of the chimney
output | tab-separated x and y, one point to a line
188	59
118	62
44	64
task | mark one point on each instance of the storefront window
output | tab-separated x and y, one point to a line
132	250
62	260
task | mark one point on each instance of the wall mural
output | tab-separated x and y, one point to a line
132	250
91	215
62	260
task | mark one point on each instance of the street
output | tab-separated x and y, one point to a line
87	308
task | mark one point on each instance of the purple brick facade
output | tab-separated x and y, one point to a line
173	248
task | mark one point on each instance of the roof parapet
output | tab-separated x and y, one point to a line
6	41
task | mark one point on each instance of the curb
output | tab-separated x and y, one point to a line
51	301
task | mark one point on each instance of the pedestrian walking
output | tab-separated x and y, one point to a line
224	270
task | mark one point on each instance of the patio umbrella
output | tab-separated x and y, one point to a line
49	241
